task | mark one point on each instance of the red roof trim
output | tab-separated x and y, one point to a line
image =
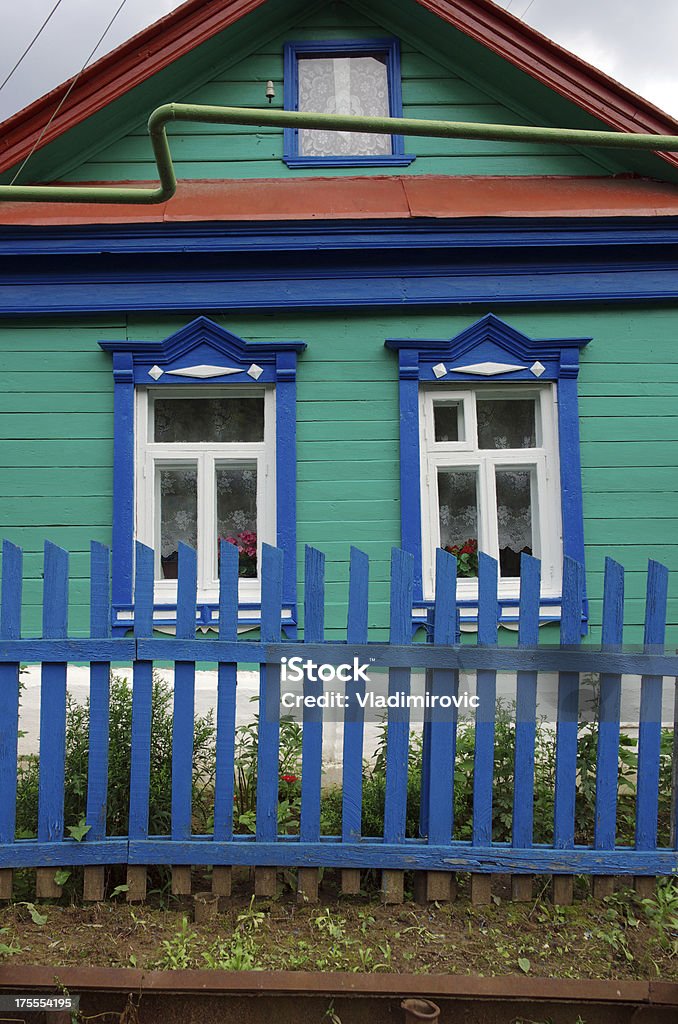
198	20
373	198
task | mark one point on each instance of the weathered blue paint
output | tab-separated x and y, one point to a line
200	342
184	699
442	738
490	339
398	725
227	680
99	694
269	698
354	722
387	49
53	699
650	725
422	264
443	657
486	691
142	691
568	710
609	711
312	736
526	706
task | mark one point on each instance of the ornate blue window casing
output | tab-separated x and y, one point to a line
489	351
386	51
193	357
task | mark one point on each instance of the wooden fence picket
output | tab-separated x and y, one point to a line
184	715
607	757
52	714
483	754
526	723
442	735
650	722
142	697
227	680
268	748
10	629
312	733
398	723
354	721
435	851
567	728
99	711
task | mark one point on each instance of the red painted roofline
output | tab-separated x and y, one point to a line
198	20
368	198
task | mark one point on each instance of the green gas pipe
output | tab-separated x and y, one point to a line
162	116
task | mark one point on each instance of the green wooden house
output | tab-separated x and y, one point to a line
336	339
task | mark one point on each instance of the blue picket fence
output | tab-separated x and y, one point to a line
442	658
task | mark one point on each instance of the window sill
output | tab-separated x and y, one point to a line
508	613
348	161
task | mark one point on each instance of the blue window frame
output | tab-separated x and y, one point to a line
377	58
488	360
201	356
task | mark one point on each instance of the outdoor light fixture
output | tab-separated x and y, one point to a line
270	90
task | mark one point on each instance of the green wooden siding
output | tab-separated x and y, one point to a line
437	87
56	441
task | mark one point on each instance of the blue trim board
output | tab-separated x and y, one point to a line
387	49
200	341
334	266
489	339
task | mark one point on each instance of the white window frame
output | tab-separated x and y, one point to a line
207	456
542	461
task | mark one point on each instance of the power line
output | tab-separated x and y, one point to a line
68	91
526	10
30	45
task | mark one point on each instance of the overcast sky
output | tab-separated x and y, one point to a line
634	41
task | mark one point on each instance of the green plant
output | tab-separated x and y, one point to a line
8	948
661	909
178	951
289	776
119	762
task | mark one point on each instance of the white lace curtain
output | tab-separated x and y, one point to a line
343	85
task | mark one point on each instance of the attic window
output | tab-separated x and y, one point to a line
360	78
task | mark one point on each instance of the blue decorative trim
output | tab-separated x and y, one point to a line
490	339
334	265
201	342
385	48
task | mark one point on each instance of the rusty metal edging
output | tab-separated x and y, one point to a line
215	983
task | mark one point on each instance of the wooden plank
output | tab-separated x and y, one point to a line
184	699
397	729
392	886
10	629
265	882
142	692
312	735
526	721
307	885
181	879
486	691
650	723
607	755
354	719
567	726
136	883
227	679
46	887
350	882
93	888
269	699
222	877
52	712
442	730
99	708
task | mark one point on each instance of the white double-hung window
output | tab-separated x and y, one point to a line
205	472
490	481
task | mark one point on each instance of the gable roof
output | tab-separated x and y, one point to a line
164	42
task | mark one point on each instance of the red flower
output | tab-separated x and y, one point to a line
289	778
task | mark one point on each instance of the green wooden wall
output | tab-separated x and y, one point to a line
56	430
441	79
